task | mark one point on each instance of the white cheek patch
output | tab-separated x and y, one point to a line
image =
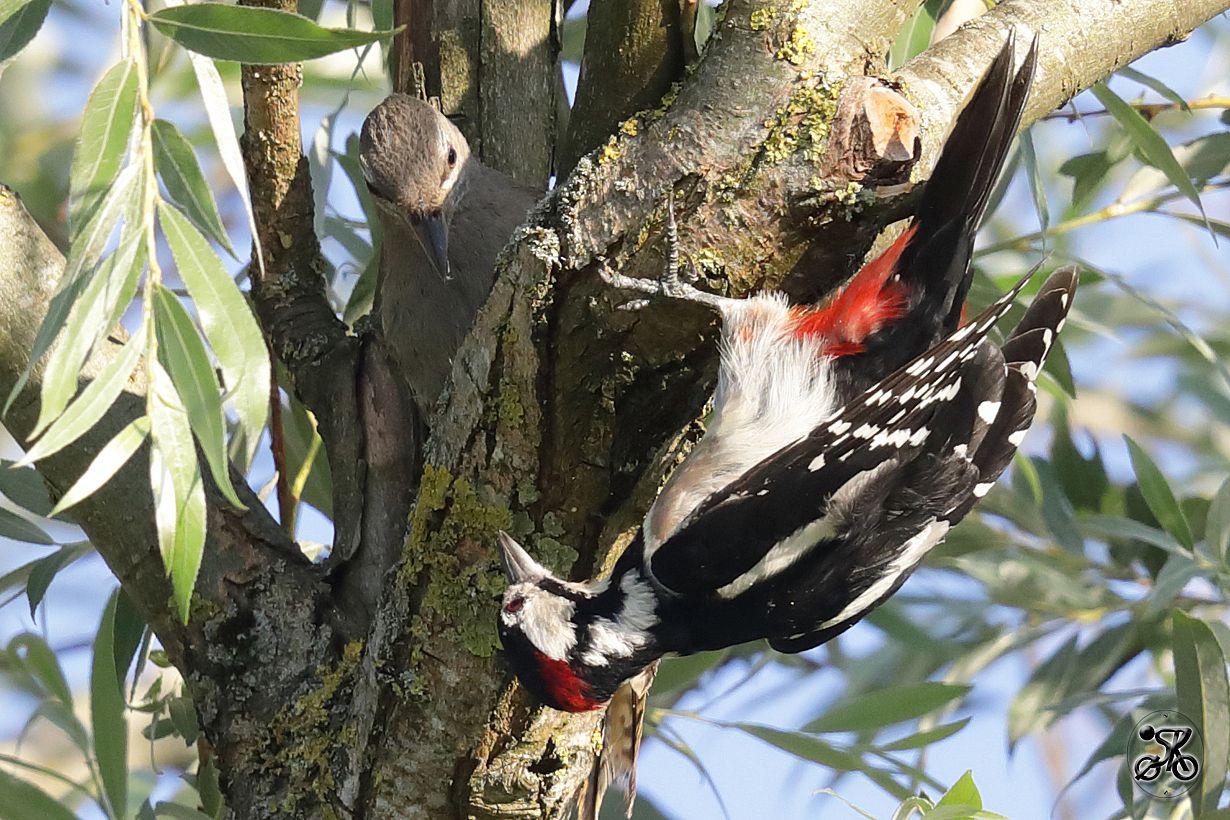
546	620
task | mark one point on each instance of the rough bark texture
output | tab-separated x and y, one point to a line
385	698
479	55
633	52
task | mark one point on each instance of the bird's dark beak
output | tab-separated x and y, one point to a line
433	234
519	567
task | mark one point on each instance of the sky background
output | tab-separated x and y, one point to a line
1171	261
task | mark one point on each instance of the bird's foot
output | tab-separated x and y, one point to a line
671	284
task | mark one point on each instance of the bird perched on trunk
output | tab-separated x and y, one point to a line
831	464
445	217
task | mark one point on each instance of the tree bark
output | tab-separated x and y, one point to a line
563	416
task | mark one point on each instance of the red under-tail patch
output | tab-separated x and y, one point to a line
569	693
861	308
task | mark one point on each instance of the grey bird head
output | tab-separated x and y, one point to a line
413	160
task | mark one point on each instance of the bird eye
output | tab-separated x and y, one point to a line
452	157
514	605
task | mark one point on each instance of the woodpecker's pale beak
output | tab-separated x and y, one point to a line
519	567
432	232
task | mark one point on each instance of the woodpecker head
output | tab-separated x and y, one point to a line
573	644
413	161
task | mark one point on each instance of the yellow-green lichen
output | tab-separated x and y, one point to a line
302	736
802	124
454	556
609	152
762	18
709	263
797	47
630	127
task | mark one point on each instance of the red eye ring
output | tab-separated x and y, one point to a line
514	605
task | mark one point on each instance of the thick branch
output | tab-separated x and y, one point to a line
333	374
633	52
492	63
259	623
563	412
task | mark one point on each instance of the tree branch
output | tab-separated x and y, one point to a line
260	622
564	414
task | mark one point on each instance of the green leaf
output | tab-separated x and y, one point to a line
1159	496
1204	697
228	321
1203	159
44	570
129	630
25	801
109	460
95	310
109	724
62	717
106	129
20	20
31	653
183	718
926	738
1150	143
1217	524
24	487
218	112
963	793
1174	575
1088	173
1048	684
19	529
255	35
885	707
916	35
810	747
187	363
179	495
1036	186
1157	85
83	255
181	173
681	673
93	403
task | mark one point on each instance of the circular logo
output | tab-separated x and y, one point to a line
1164	754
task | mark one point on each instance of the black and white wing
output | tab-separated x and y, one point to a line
824	530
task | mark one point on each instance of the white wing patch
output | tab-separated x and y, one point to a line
911	553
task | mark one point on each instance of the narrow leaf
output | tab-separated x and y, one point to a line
1217	524
181	173
187	363
926	738
93	403
106	128
107	463
255	35
24	487
1157	85
218	112
83	255
963	793
1204	697
886	707
19	529
44	570
1036	185
89	320
1159	496
31	653
1148	141
110	726
179	496
20	20
25	801
228	321
1203	159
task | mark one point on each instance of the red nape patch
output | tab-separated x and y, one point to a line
568	692
861	308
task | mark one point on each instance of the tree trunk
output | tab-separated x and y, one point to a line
389	700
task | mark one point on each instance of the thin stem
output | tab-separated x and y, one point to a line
277	448
1112	211
1147	110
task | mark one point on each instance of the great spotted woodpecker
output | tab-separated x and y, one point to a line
832	462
